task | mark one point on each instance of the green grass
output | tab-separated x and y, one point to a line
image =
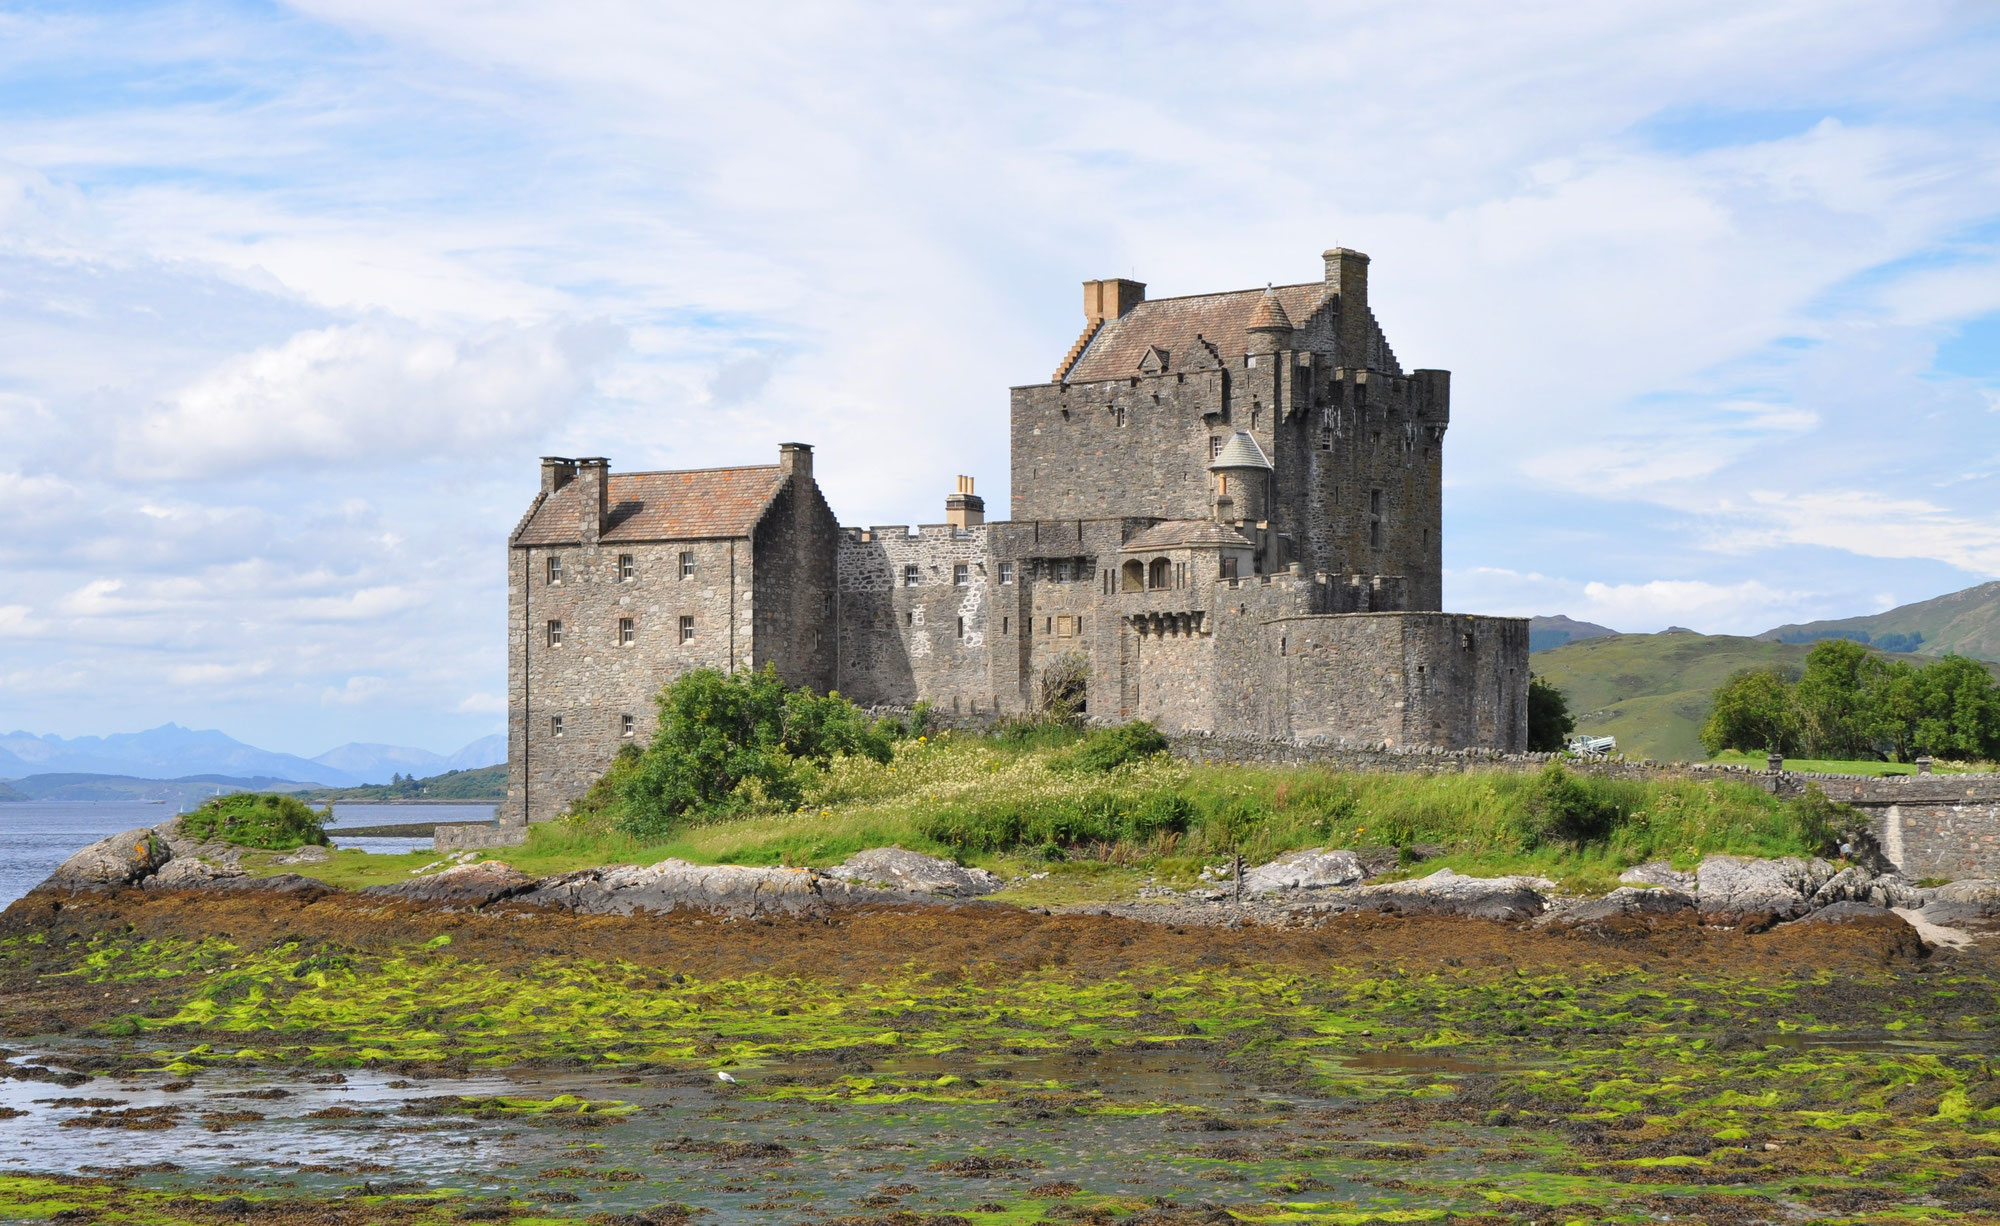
1004	807
485	783
1832	766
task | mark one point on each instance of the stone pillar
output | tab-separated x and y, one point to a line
594	477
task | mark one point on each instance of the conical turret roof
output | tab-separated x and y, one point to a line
1241	451
1269	314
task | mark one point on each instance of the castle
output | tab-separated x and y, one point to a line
1226	518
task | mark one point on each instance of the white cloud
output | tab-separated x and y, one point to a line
18	621
483	703
357	690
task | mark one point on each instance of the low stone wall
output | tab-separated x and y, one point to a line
477	837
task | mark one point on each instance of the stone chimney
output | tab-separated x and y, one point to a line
557	471
593	477
1347	277
1111	299
796	460
964	509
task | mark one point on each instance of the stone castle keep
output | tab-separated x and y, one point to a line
1226	518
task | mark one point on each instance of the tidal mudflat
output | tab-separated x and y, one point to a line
182	1057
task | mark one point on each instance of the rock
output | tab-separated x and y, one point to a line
1973	903
1317	869
467	885
276	883
1627	900
1447	893
892	868
1845	910
1659	873
309	854
191	873
1734	887
675	884
119	860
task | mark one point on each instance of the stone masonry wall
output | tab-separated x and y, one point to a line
902	641
795	552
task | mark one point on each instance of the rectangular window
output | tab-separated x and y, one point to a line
1003	625
555	634
1214	446
687	628
1079	625
628	633
555	725
961	627
1374	502
1006	572
1048	625
1062	572
910	576
1326	440
961	575
555	568
624	567
687	563
1375	534
626	725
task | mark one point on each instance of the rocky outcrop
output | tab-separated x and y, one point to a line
1448	893
191	874
1973	903
1317	869
892	868
464	886
1628	900
1731	888
1658	873
119	860
676	884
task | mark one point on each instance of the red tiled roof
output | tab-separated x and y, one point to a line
1173	324
701	504
1187	532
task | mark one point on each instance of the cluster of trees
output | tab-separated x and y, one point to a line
1850	703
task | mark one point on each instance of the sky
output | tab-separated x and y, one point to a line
293	297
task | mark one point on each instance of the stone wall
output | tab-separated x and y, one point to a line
901	641
795	562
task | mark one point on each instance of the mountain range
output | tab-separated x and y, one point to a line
1966	623
173	752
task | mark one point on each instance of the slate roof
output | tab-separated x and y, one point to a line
700	504
1173	324
1241	451
1182	533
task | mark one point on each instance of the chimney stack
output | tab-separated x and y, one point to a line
1347	276
964	509
593	476
796	459
1111	299
557	471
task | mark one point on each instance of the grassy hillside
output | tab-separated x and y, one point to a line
486	783
1547	633
1966	622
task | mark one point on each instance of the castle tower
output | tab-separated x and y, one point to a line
1269	328
1242	478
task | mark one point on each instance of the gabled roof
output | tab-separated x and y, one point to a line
1241	451
1185	533
700	504
1173	324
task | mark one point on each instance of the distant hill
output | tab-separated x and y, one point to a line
1545	633
378	763
1651	691
488	783
173	752
1966	623
8	793
88	787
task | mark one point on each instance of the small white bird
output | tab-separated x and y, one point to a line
722	1076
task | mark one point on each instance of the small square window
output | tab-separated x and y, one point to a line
687	563
555	568
624	567
961	575
628	633
555	725
1062	572
687	628
555	634
910	578
1006	572
627	725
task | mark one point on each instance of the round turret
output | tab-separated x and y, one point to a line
1270	328
1242	479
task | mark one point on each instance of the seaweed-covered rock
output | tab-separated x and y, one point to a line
1735	887
670	885
892	868
1317	869
1972	903
1859	885
1447	893
1659	873
119	860
467	885
1628	900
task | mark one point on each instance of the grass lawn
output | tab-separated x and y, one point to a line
1102	836
1831	766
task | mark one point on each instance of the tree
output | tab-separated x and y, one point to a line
1549	720
1754	711
1832	699
1959	710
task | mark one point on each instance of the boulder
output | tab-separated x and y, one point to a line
1659	873
1628	900
276	883
1317	869
1974	903
1447	893
724	889
892	868
467	885
1733	887
1845	910
119	860
191	873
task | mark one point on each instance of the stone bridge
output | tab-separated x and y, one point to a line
1929	825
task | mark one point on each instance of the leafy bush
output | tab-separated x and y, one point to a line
1099	816
1558	807
1754	710
727	740
258	819
1034	732
1106	749
1826	826
1549	720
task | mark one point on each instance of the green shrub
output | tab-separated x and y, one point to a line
1099	816
1549	718
1825	825
1558	807
1034	732
258	819
1106	749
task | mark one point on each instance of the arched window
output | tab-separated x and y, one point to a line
1163	573
1133	576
